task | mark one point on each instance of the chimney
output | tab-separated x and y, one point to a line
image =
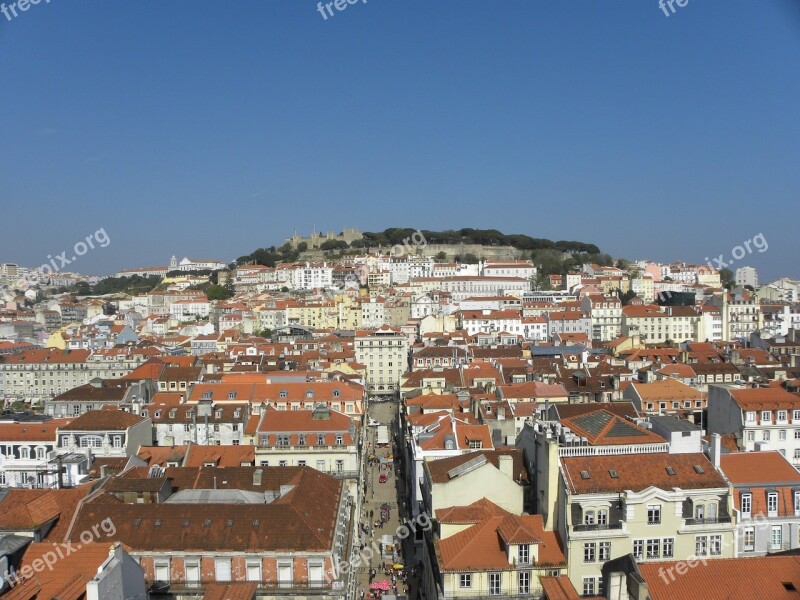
103	471
501	413
716	449
257	477
505	464
183	399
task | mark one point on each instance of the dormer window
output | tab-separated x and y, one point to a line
336	393
747	504
475	444
283	394
772	504
232	396
766	415
524	554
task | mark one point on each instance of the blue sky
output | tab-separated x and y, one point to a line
211	129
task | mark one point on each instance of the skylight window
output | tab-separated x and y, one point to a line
670	471
698	469
614	474
585	474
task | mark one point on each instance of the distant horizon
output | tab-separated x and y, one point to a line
323	231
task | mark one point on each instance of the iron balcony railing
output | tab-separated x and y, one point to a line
711	521
596	526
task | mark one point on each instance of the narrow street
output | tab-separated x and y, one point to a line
380	496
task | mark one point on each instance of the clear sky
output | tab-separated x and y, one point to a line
209	129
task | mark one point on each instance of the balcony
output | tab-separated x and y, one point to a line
596	526
710	521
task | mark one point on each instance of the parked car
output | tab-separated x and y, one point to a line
382	478
373	423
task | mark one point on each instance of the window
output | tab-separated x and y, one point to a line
91	441
40	452
589	552
749	539
588	586
494	584
192	572
604	551
668	547
751	436
117	441
524	554
465	580
772	503
715	545
781	415
602	517
524	582
776	538
339	440
701	545
797	503
747	504
253	570
796	415
588	517
653	548
782	434
766	415
653	514
638	549
25	453
751	416
700	512
161	569
766	435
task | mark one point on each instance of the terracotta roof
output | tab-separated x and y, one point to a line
230	591
559	588
302	518
480	547
103	420
637	472
31	431
666	389
764	398
474	513
764	577
439	468
67	580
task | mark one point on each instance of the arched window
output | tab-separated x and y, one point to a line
91	441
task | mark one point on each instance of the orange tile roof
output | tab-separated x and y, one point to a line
637	472
559	588
666	389
761	577
31	432
481	547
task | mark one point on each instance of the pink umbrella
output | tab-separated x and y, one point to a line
381	585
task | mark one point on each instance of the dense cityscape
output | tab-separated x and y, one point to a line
358	414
